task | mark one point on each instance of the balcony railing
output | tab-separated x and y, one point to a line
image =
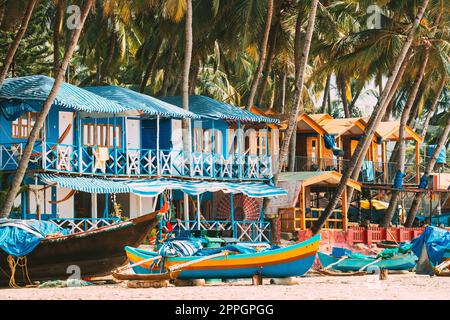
137	162
371	172
242	231
75	225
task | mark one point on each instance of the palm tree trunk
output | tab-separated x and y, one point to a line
262	55
325	94
186	124
2	12
15	44
352	104
169	65
401	140
270	56
23	164
283	90
107	63
149	68
357	170
430	166
433	106
193	77
342	91
300	77
374	120
59	8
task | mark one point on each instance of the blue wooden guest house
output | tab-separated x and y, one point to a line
108	150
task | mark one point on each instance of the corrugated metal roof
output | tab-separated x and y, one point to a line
209	108
138	101
34	90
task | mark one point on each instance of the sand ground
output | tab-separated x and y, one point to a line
311	286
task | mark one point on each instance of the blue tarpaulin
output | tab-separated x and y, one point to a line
330	143
442	157
398	180
20	237
437	242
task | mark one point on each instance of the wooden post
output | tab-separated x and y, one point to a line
320	151
384	160
417	162
158	165
257	280
198	213
186	210
303	207
115	143
344	209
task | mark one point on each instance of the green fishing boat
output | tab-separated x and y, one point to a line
360	262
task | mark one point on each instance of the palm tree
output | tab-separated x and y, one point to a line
374	120
186	67
262	56
434	104
57	26
15	44
430	166
401	138
300	76
23	164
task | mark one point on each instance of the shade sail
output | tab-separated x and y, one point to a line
135	100
86	184
154	187
209	108
25	94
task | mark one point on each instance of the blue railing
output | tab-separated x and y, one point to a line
138	162
75	225
242	231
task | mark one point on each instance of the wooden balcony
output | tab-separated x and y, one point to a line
371	172
118	162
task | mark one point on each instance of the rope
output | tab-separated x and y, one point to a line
335	263
13	264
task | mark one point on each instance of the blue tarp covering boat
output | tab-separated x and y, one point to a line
436	241
20	237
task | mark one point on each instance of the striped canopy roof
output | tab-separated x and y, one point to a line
33	90
154	187
135	100
209	108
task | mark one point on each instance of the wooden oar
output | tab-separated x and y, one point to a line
137	263
334	263
369	264
189	263
172	273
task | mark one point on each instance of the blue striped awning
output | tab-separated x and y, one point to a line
212	109
151	188
31	91
86	184
154	187
138	101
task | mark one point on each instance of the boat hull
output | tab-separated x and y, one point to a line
290	261
82	255
402	262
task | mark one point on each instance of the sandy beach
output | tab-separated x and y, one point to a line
310	287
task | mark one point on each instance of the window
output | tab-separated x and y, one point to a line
101	135
22	126
262	142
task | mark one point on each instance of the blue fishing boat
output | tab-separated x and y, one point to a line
289	261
